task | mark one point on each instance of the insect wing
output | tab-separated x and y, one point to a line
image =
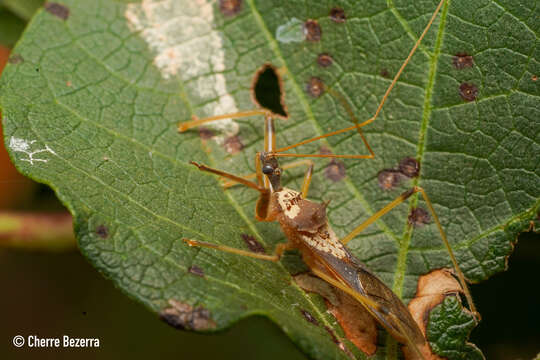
356	276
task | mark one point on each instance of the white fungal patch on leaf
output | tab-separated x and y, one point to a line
290	32
187	46
25	146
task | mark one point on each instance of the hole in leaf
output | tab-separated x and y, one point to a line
268	90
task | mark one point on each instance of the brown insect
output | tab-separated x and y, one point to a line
306	227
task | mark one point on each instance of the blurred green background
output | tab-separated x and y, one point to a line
52	294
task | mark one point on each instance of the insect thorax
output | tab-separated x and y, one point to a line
305	221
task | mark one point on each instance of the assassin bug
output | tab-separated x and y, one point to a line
306	226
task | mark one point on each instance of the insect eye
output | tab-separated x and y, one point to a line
267	169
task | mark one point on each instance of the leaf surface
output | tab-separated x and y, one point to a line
91	106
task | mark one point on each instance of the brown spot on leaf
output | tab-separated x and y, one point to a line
409	167
324	60
253	244
312	30
102	231
56	9
359	326
337	15
324	150
15	59
233	144
195	270
385	73
332	335
183	316
534	78
309	317
431	290
315	87
205	133
462	61
230	7
389	179
418	217
340	344
335	171
468	92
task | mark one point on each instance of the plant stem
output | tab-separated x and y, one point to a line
37	231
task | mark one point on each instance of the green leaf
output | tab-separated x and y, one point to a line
449	330
91	106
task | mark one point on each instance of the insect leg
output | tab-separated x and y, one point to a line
279	152
450	253
184	126
280	248
307	178
262	207
358	126
401	198
227	183
258	172
227	175
347	107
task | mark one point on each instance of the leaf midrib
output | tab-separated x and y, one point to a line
420	151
